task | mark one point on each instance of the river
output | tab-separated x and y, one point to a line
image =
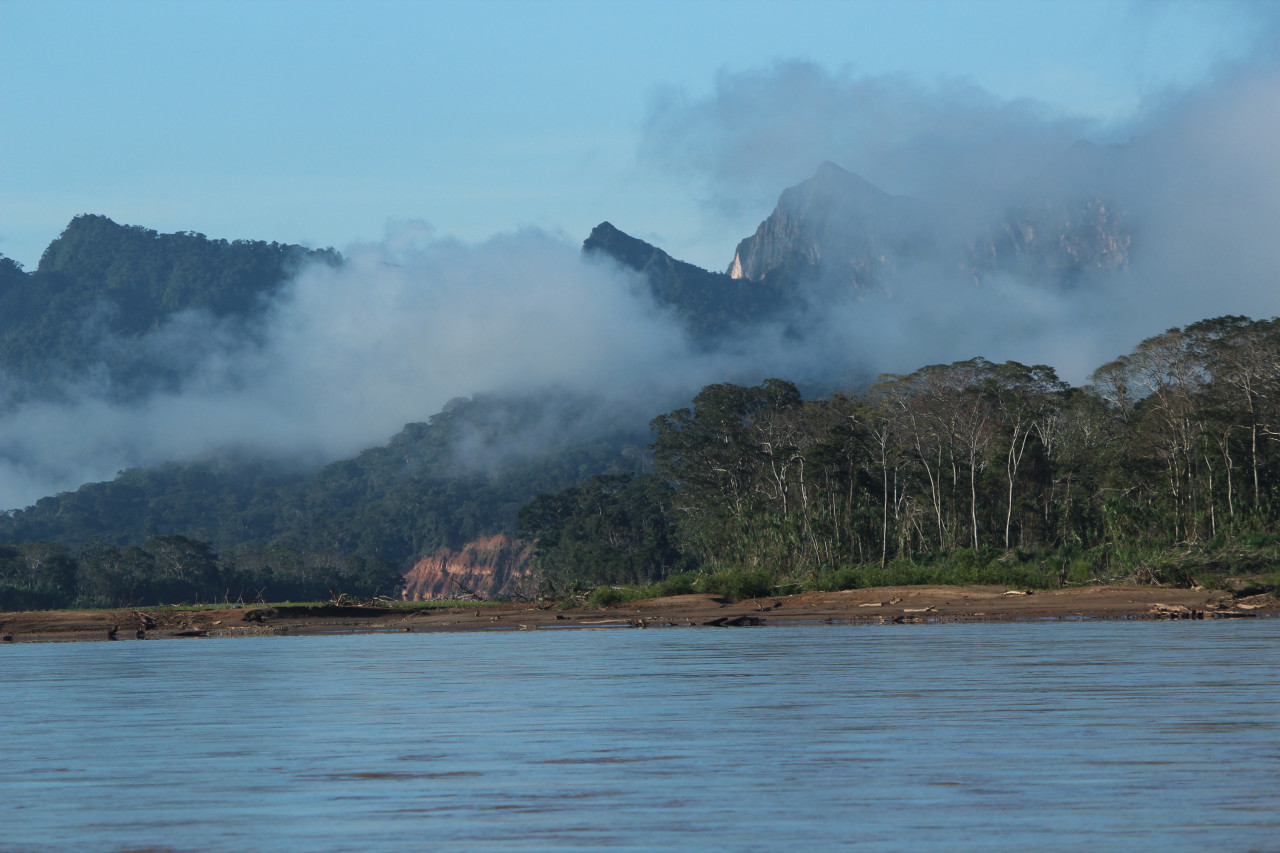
1048	736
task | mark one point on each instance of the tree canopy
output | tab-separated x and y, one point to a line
99	286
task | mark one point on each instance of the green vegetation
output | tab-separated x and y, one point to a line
174	569
434	485
1165	469
100	287
611	529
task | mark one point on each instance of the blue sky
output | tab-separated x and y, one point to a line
328	123
458	154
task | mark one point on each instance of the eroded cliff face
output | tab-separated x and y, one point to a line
491	567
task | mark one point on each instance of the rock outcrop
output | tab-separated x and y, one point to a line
490	567
838	229
1056	242
836	226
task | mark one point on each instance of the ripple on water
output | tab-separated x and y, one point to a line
958	737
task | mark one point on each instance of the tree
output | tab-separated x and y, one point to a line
714	455
1242	357
610	529
1026	399
185	570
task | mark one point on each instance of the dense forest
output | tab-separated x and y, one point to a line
461	475
100	287
1164	468
173	569
997	472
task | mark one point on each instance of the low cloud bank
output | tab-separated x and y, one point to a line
351	354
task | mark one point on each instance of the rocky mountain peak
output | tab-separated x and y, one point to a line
834	224
842	230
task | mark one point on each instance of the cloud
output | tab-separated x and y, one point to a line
1193	174
766	129
350	354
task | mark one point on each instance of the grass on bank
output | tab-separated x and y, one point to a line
1251	563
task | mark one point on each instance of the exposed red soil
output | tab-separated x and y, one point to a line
913	604
490	567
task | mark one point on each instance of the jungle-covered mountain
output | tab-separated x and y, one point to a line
101	287
1164	469
102	290
463	473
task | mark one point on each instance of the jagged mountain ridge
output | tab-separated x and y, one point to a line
709	304
837	232
1057	242
836	226
840	229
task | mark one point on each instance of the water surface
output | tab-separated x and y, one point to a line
1052	736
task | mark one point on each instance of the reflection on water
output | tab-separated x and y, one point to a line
945	737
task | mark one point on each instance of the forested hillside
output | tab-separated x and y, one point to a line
461	475
357	525
1165	468
1170	446
100	286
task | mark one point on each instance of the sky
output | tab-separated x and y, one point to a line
334	123
458	154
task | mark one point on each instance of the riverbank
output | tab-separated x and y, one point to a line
907	604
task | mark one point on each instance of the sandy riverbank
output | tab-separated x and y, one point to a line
912	604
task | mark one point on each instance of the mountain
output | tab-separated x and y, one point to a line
101	288
834	226
431	490
437	499
710	305
1053	241
841	231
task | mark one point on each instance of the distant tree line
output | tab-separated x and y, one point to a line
1171	445
291	535
174	570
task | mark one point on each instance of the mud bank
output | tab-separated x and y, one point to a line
902	605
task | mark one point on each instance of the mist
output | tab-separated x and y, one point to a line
1194	176
350	354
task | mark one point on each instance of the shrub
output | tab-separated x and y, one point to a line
605	596
737	584
835	581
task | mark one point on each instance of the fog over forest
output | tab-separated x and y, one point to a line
352	353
